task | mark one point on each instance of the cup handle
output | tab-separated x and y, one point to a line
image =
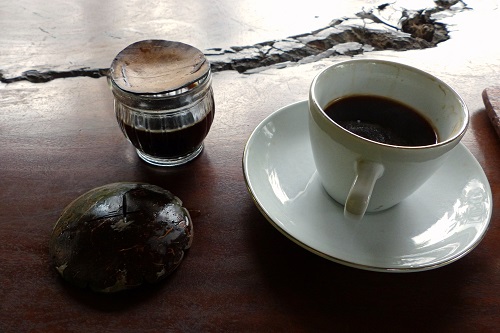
359	196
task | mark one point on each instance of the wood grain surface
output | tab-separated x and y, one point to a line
60	139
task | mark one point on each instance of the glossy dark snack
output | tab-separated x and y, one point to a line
120	235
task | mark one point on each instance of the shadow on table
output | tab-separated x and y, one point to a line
486	142
482	128
115	302
313	292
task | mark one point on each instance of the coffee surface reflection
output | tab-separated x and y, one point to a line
382	119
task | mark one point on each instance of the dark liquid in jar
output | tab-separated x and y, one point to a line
382	119
169	144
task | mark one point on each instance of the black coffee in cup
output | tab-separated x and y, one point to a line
382	119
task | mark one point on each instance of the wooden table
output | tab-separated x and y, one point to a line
59	139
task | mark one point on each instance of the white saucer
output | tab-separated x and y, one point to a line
440	223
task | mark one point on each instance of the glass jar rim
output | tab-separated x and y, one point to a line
166	102
165	94
156	66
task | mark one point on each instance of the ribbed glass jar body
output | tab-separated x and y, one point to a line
167	129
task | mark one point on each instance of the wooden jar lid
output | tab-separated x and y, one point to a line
157	66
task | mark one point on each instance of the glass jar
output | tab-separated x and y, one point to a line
163	100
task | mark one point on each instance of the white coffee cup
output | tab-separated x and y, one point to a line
365	175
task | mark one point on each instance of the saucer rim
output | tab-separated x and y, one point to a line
347	263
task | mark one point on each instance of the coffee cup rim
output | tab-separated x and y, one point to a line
454	138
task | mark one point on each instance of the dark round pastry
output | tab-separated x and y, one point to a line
120	235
